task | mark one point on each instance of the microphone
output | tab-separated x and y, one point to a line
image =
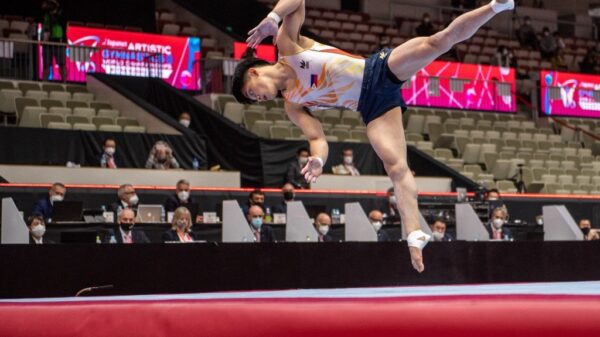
90	289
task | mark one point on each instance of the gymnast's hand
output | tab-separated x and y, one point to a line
267	27
416	257
313	169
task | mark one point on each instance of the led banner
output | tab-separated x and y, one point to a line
175	59
462	86
263	51
569	94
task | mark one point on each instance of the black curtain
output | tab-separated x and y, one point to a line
29	146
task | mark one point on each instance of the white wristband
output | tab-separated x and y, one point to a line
418	239
275	17
500	7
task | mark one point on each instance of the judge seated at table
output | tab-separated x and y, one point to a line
181	227
124	232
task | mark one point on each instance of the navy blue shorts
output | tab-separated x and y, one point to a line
380	88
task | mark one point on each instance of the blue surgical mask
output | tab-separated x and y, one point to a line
257	223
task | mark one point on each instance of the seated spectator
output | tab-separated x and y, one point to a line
495	226
288	196
255	198
526	34
589	234
494	201
180	198
262	233
161	157
391	215
37	229
124	231
185	119
589	63
44	206
548	46
109	158
425	28
347	167
438	230
376	219
561	46
322	225
128	199
180	227
293	175
505	58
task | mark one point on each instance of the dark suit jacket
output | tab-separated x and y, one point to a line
505	231
267	234
382	236
43	207
326	238
44	241
114	207
116	158
281	208
171	235
294	177
137	235
173	202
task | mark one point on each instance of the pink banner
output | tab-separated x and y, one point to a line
172	58
463	86
569	94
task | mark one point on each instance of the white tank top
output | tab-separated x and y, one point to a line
325	77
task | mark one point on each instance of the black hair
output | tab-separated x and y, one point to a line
256	191
34	217
302	149
439	219
106	140
493	190
239	77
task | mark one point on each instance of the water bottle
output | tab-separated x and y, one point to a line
195	164
335	216
98	239
268	217
162	214
112	239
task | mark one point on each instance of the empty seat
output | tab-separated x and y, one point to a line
110	128
103	120
234	112
46	118
60	111
359	135
48	103
279	132
37	94
62	96
250	117
87	112
506	186
75	104
84	126
342	134
100	105
75	88
78	119
108	113
124	121
31	117
83	96
49	87
471	153
7	99
134	128
26	86
262	128
59	125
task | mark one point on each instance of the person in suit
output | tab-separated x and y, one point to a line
127	199
124	232
495	226
37	229
109	157
288	196
44	206
262	233
589	234
391	214
438	230
180	227
180	198
256	197
322	225
376	220
294	175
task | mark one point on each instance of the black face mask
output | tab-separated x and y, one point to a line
585	230
126	227
288	196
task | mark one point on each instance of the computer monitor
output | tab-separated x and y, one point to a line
67	211
149	213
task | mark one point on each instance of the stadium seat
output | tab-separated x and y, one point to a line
49	87
262	128
98	105
48	103
46	118
110	128
60	111
251	117
87	112
31	117
83	96
124	121
36	94
108	113
84	126
78	119
62	96
279	132
359	135
76	104
26	86
134	129
103	120
59	125
234	112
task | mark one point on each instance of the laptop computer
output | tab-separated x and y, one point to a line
149	213
78	237
67	211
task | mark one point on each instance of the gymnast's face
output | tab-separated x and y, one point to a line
259	87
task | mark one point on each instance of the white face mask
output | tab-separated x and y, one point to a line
110	151
498	223
38	231
377	225
392	200
437	236
55	198
348	160
181	224
134	200
183	195
185	122
323	230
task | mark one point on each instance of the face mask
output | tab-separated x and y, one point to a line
303	161
377	225
38	231
125	227
56	198
498	223
492	199
134	200
323	230
257	222
348	160
288	195
185	122
110	151
426	20
392	200
183	195
181	224
585	230
437	236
